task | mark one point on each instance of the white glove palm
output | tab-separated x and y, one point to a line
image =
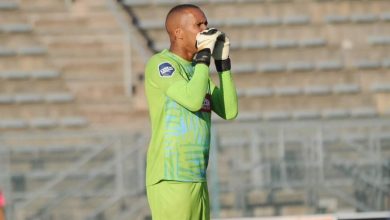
221	48
207	39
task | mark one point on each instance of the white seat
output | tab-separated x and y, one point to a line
329	65
336	18
380	87
59	97
271	67
363	112
317	90
13	123
16	28
335	113
287	91
306	114
300	66
73	122
363	18
43	123
346	88
296	20
276	115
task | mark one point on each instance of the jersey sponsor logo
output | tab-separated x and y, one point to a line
166	70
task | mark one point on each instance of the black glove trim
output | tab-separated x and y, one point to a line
222	65
203	56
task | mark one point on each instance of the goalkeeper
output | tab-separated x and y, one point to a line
181	97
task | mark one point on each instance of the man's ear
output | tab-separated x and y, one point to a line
178	33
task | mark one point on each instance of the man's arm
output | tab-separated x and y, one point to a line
224	98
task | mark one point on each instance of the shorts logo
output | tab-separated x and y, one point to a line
166	69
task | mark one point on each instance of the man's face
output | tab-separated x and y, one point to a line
194	22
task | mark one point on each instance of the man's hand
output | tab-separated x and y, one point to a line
221	48
207	39
221	53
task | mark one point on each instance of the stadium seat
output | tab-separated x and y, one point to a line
379	40
287	91
45	74
249	116
28	98
14	75
386	63
367	64
363	112
43	123
243	68
380	87
335	113
313	42
73	122
329	65
32	51
257	197
5	52
59	97
16	28
305	114
283	43
300	66
253	44
8	5
13	123
363	18
385	16
135	2
258	92
336	19
317	90
271	67
267	21
296	20
6	99
276	115
346	88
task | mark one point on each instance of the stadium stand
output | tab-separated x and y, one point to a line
312	135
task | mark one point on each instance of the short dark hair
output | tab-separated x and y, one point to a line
180	8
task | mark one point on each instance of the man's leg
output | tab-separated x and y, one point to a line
171	200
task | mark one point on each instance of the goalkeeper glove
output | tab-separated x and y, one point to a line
221	53
205	42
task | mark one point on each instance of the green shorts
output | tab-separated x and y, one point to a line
172	200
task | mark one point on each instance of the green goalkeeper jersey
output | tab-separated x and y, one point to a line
181	97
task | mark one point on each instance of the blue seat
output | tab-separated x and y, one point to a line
32	51
267	21
45	74
6	99
14	75
5	52
368	64
284	43
28	98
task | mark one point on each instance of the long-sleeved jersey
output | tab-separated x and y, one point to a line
181	97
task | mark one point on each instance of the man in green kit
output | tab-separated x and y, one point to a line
181	97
